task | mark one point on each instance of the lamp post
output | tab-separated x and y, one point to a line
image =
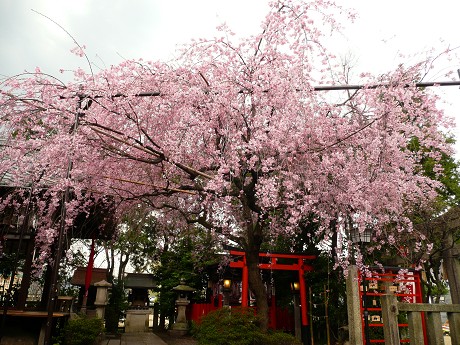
363	238
227	287
295	288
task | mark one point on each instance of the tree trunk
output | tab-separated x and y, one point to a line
256	285
258	288
26	274
122	265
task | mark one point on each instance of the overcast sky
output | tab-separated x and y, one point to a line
113	30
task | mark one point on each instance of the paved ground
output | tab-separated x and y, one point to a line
149	338
153	339
135	339
447	340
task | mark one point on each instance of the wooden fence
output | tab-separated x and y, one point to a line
391	308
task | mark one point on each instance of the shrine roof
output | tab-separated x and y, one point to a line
140	280
98	274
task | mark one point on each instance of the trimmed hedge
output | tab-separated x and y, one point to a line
82	331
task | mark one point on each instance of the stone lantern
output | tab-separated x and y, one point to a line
180	327
102	297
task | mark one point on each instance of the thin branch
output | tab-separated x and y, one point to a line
74	40
149	184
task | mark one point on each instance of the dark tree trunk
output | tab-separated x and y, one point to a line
254	236
258	288
26	275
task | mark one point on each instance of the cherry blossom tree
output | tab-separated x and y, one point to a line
232	136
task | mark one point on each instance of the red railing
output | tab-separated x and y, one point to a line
406	287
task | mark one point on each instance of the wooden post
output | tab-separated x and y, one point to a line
245	285
303	298
433	324
454	325
390	319
415	328
434	329
451	261
310	301
355	321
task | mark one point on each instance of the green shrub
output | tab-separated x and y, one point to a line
237	326
82	331
279	338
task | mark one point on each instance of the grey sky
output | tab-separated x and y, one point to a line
150	29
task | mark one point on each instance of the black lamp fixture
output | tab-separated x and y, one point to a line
361	237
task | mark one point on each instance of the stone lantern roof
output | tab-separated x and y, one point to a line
183	288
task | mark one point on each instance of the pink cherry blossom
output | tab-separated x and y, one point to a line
231	136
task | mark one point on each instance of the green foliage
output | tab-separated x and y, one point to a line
441	167
117	303
81	331
449	191
77	259
237	326
277	338
178	261
327	283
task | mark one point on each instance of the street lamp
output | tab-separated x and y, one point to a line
362	238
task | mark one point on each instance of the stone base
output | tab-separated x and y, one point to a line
137	320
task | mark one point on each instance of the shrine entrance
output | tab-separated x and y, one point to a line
276	261
235	291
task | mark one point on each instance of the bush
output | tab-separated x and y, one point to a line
237	326
279	338
82	331
113	311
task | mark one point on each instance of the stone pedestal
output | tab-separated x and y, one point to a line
137	320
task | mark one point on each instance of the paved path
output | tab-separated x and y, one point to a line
135	339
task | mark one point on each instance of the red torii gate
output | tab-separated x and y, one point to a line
300	266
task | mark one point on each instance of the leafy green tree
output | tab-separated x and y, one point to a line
433	222
179	260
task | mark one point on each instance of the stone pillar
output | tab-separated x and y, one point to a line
355	321
102	297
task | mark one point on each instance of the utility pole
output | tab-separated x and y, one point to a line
326	312
312	338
